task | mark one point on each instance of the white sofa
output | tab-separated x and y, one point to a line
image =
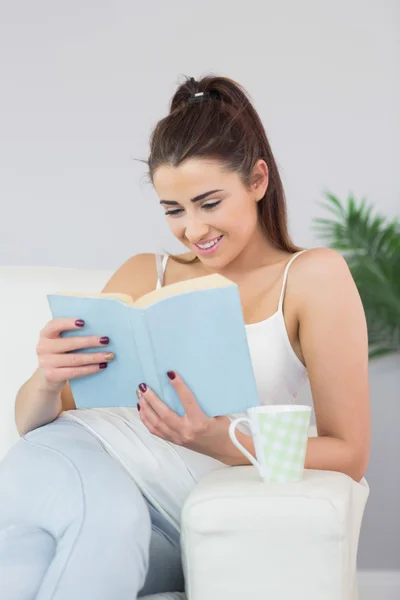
241	539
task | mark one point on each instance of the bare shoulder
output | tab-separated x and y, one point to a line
316	259
135	276
320	272
318	265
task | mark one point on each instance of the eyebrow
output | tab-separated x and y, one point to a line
195	199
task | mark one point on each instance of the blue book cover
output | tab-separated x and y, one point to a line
194	327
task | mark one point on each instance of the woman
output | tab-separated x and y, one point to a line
94	496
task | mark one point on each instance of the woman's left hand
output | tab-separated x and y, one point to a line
194	430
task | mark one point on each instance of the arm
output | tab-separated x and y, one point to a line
36	404
334	342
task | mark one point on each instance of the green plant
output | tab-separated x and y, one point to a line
371	247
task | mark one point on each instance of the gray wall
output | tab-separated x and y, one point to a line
84	82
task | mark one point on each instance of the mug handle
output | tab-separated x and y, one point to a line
238	445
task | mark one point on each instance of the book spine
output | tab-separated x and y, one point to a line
145	350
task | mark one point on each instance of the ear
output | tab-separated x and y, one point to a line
260	179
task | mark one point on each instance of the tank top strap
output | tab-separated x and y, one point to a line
285	277
161	262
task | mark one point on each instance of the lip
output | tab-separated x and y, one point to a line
209	250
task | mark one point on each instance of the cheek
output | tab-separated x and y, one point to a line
241	221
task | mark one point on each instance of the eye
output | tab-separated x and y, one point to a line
177	211
211	205
173	212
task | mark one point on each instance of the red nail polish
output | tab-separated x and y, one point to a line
138	406
171	374
142	387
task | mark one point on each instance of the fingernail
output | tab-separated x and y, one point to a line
138	394
104	340
171	374
102	365
79	323
138	406
142	387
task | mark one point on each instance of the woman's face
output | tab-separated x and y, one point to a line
210	210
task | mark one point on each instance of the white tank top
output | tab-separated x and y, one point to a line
278	372
166	472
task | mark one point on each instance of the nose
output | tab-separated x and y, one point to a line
196	230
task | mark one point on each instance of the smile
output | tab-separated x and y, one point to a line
210	246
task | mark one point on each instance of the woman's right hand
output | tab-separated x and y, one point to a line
57	360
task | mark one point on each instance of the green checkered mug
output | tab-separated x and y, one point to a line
280	435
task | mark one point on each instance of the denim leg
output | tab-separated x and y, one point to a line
25	555
165	572
73	524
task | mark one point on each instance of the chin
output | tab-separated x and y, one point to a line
217	262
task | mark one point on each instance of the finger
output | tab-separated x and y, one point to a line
186	396
74	359
53	328
152	421
48	345
163	411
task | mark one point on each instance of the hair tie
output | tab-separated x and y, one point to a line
200	96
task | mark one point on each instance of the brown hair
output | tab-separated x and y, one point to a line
225	127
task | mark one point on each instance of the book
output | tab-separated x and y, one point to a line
194	327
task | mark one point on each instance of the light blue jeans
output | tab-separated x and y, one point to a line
75	526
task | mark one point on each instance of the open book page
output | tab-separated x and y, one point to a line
206	282
174	289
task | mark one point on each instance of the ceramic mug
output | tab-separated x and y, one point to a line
280	436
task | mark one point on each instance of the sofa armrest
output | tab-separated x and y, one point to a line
242	538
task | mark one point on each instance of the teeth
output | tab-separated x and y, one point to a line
209	244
